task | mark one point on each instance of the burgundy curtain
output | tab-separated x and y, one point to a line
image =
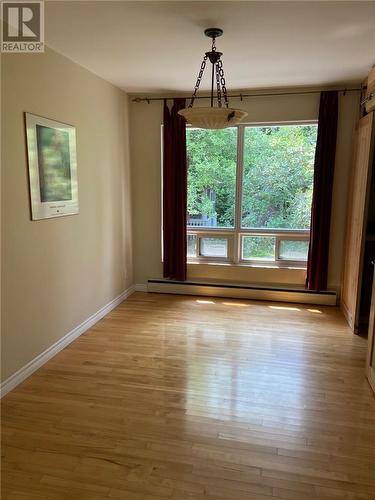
317	266
174	191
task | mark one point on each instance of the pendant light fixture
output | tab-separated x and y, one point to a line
212	117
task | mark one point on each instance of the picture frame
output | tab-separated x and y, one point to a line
52	165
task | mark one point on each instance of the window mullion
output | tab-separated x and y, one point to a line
277	248
238	201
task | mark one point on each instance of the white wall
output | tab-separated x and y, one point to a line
58	272
145	122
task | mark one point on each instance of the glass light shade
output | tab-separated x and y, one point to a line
212	118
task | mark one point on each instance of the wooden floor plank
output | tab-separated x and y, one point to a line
175	397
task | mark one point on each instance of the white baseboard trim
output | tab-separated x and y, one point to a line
24	372
141	287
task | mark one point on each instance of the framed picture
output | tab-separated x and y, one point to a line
51	150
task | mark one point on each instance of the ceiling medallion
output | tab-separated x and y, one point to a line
213	117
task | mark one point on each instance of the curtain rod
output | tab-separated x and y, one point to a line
243	96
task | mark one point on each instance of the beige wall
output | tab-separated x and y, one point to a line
145	122
58	272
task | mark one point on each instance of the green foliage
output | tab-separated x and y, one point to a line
277	180
278	176
259	247
263	247
212	157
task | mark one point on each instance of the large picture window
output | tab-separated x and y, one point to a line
250	192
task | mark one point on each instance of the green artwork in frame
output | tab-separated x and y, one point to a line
51	148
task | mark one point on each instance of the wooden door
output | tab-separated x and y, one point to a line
359	189
370	363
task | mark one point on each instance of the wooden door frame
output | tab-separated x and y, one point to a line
350	318
370	371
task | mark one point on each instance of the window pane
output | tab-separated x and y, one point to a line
214	247
258	248
191	245
212	157
278	176
294	250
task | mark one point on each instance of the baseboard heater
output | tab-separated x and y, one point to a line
240	291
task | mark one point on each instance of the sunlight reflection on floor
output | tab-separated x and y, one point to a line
241	304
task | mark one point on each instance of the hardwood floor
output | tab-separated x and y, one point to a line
189	398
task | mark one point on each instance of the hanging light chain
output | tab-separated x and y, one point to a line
200	74
222	81
209	116
218	89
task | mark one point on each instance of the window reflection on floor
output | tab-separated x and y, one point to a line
232	377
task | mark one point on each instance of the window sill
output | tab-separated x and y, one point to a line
259	265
